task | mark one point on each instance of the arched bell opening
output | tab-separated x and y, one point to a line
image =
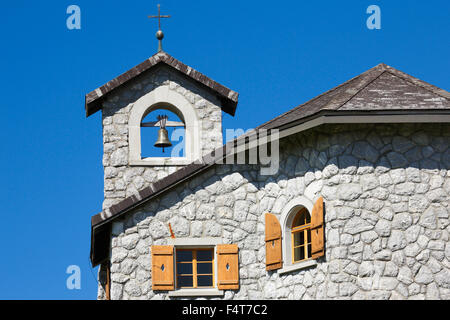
163	132
162	101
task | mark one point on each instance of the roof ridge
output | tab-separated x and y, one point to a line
361	89
381	66
170	60
418	82
364	85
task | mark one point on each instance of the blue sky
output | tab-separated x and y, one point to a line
275	54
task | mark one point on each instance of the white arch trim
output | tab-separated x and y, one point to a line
176	103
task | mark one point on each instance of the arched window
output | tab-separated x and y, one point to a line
302	233
295	223
301	236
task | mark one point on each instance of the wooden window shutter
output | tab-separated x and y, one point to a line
162	268
317	239
227	267
273	243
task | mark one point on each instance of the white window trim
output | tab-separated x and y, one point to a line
286	219
175	102
193	243
297	266
200	292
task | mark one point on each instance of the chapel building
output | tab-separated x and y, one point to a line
352	204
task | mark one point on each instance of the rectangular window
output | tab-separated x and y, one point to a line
195	268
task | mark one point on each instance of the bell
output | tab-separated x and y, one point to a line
163	139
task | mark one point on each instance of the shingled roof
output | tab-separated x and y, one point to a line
381	90
227	97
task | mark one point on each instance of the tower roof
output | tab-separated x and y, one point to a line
227	97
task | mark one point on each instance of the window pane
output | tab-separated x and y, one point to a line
184	268
299	238
204	255
204	281
301	218
309	251
204	268
297	221
307	217
184	281
299	253
184	255
309	236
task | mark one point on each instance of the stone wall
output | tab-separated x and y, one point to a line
122	180
386	190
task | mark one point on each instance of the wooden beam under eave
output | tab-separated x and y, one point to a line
106	266
108	281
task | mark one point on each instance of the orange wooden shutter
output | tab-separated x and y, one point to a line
162	268
317	240
227	266
273	242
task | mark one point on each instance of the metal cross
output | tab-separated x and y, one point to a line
159	16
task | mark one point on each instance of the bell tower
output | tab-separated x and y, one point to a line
158	86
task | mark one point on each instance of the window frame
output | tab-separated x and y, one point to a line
297	229
194	268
